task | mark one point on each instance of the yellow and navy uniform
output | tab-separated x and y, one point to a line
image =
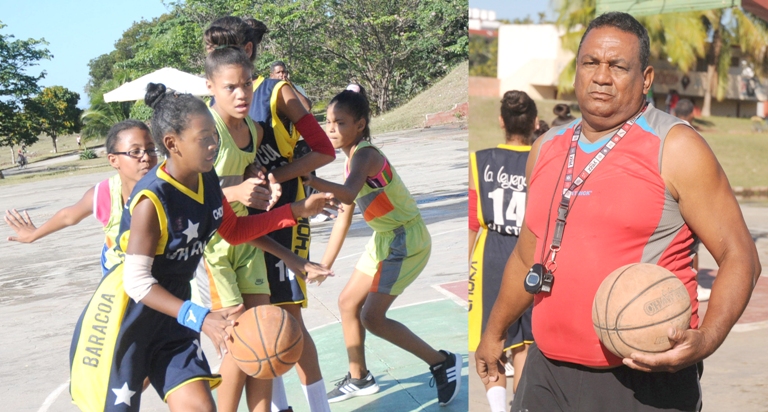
118	342
277	149
227	271
499	176
400	246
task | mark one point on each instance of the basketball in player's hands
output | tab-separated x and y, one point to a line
266	342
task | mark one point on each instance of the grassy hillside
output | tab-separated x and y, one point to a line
450	90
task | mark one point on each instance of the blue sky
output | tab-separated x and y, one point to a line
77	31
510	9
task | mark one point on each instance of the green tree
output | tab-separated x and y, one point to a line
58	111
483	56
729	28
17	57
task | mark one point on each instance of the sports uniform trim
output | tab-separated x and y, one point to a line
476	179
475	316
516	148
214	381
160	215
198	196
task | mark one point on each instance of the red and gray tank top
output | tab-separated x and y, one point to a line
623	213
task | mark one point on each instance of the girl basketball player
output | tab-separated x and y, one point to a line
236	275
284	119
140	321
132	153
497	203
395	255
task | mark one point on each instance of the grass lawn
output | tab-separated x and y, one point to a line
442	96
43	149
77	167
741	152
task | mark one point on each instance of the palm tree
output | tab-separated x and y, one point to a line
729	28
101	116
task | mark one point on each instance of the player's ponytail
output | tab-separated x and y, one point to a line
171	112
518	111
235	31
356	104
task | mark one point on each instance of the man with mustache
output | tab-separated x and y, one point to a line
656	187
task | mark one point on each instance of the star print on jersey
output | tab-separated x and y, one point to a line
123	395
191	231
199	349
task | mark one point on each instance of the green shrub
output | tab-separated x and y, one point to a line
87	154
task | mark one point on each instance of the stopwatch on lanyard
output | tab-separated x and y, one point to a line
540	277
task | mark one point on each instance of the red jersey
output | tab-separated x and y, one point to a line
622	214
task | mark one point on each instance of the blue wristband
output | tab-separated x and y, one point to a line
192	315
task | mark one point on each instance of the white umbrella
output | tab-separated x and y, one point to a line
172	79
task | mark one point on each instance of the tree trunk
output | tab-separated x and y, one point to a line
706	109
55	149
713	58
13	156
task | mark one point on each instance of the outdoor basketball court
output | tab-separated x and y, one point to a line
45	286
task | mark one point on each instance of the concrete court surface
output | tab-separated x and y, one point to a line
45	286
736	376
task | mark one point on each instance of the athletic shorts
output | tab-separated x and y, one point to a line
118	343
486	271
285	286
396	258
550	385
228	272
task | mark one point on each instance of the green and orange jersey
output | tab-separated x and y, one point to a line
384	200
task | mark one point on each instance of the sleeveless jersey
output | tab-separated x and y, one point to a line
277	149
231	161
108	210
384	200
277	144
622	214
499	177
196	217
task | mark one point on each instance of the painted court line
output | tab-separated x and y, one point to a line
52	397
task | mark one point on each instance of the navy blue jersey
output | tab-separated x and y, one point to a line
119	342
188	220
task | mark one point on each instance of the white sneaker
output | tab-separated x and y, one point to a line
703	293
509	370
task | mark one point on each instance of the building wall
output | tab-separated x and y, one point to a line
483	86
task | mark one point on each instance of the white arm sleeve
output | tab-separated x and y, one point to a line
137	276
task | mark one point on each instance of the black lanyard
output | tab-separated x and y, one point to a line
570	184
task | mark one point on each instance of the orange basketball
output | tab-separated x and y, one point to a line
636	305
266	342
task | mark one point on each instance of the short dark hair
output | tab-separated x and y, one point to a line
518	111
277	63
227	56
171	112
113	135
626	23
684	108
356	104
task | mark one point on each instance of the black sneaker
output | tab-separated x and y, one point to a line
447	376
350	387
286	410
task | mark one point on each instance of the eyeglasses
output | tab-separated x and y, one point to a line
139	153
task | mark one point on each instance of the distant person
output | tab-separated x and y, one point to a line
684	110
672	99
279	71
78	140
542	128
758	123
563	113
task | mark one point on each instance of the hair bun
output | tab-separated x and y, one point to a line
155	93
